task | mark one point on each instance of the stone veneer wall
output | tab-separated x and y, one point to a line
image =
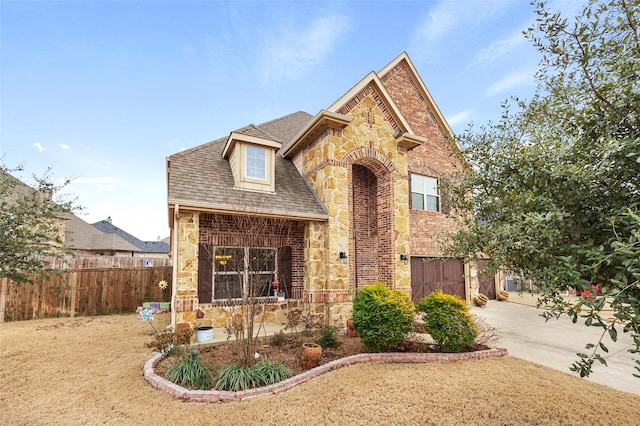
186	263
328	164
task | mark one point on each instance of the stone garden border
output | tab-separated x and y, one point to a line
179	392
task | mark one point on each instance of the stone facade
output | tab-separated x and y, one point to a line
361	176
361	173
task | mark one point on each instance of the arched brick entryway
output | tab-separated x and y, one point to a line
371	223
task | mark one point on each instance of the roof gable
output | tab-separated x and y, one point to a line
403	60
371	85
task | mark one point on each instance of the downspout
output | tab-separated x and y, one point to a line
174	270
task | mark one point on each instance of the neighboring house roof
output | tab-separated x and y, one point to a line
80	235
201	178
144	246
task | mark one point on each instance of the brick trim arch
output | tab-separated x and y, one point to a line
423	166
374	160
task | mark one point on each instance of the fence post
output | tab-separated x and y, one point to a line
3	298
74	288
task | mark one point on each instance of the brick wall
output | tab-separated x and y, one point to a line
226	230
436	158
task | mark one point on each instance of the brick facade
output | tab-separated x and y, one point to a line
436	158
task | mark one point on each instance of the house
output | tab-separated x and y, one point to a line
149	249
82	239
85	240
343	198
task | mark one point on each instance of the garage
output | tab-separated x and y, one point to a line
431	273
486	280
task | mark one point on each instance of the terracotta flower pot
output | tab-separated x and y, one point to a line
310	355
481	299
351	332
503	295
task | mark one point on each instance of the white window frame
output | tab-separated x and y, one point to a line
251	167
426	190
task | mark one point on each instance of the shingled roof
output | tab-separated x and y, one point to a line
201	178
80	235
144	246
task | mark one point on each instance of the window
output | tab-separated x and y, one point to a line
256	163
424	193
238	269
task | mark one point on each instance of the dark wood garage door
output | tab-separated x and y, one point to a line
487	280
429	274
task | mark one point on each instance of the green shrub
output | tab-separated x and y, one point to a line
449	321
327	338
382	317
191	372
237	377
234	378
267	373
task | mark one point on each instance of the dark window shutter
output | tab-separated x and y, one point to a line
205	272
410	197
444	201
284	270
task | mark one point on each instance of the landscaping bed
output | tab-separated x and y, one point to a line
87	370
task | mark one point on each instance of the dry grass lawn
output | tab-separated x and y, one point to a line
85	371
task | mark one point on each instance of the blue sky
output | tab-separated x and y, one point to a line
102	92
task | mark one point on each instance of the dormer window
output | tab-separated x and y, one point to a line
252	160
256	163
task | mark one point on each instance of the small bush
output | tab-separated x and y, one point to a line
267	373
163	341
279	339
449	321
327	338
191	372
488	335
382	317
234	378
175	351
237	377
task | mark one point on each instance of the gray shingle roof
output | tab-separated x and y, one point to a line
80	235
144	246
200	177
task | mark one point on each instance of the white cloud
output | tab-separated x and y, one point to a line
515	79
103	183
499	50
460	118
289	53
63	146
39	146
448	17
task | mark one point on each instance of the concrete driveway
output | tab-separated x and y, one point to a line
555	343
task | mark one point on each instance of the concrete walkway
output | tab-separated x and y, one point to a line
555	343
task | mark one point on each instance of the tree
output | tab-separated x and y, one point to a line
245	272
553	190
31	226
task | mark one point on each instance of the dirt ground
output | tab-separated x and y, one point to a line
86	371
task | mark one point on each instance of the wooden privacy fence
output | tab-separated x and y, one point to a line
120	287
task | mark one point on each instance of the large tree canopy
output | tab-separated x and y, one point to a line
553	191
31	226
